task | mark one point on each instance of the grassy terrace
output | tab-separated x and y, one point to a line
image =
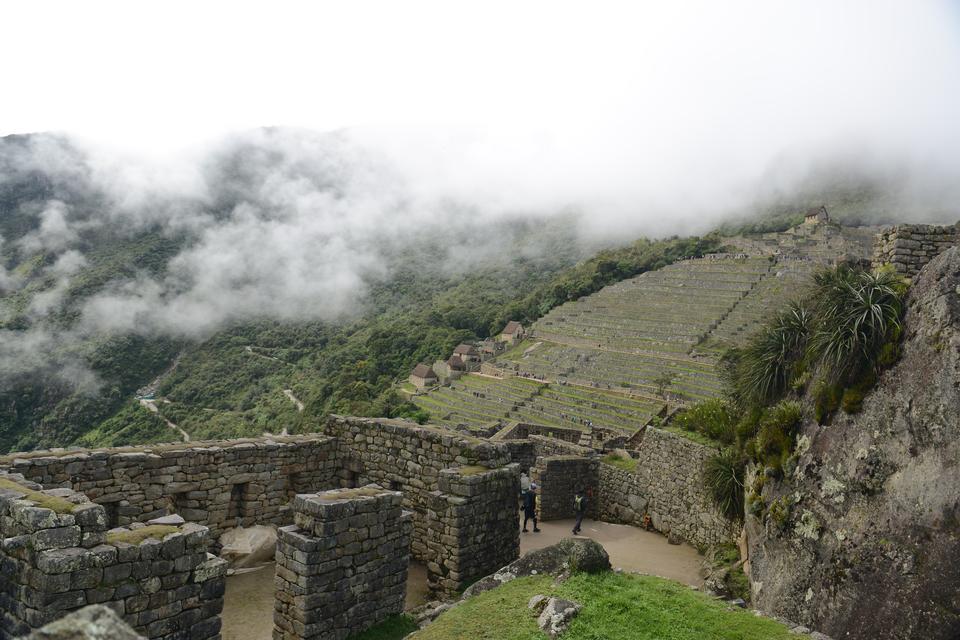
477	400
615	607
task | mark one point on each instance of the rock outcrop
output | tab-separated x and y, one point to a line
866	537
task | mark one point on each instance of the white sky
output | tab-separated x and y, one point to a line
154	75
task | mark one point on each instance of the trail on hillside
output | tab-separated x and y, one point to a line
151	406
249	349
294	399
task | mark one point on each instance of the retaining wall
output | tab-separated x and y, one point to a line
668	485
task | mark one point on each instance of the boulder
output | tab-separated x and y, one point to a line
248	546
570	554
556	616
95	622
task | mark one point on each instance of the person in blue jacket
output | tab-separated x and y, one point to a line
530	508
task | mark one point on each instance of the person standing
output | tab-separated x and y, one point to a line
530	508
579	509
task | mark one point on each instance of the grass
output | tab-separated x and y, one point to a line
627	464
616	607
58	505
393	628
136	536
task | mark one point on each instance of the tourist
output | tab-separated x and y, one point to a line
524	483
579	508
530	508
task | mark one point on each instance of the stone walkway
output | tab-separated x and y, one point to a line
248	605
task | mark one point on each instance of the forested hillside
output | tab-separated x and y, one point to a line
109	286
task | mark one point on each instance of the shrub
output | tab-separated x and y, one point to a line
826	400
723	475
713	418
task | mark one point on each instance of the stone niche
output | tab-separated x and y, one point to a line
57	556
342	565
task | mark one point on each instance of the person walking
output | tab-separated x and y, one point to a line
579	508
530	508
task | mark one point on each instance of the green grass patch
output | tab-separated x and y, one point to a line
694	436
136	536
59	505
627	464
393	628
615	607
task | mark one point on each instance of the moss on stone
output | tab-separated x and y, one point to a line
59	505
136	536
473	470
351	494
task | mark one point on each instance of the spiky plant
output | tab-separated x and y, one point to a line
723	476
858	312
761	372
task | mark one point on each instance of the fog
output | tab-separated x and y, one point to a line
290	152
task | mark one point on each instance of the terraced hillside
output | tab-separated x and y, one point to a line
636	348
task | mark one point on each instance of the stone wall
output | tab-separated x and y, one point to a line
473	526
559	479
668	485
908	247
57	556
220	484
342	565
522	430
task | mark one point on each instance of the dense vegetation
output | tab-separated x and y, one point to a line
826	349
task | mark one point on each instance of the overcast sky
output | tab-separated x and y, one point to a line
152	75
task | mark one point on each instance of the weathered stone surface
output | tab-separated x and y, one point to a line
556	616
870	547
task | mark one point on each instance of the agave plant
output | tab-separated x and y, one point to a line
723	476
761	372
857	312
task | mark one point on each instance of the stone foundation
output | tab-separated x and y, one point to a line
57	556
342	565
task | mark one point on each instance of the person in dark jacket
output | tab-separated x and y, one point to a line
579	509
530	508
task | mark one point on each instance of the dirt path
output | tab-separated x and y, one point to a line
294	399
630	548
151	406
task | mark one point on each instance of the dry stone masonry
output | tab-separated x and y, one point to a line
342	565
473	526
908	247
57	556
559	479
218	484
